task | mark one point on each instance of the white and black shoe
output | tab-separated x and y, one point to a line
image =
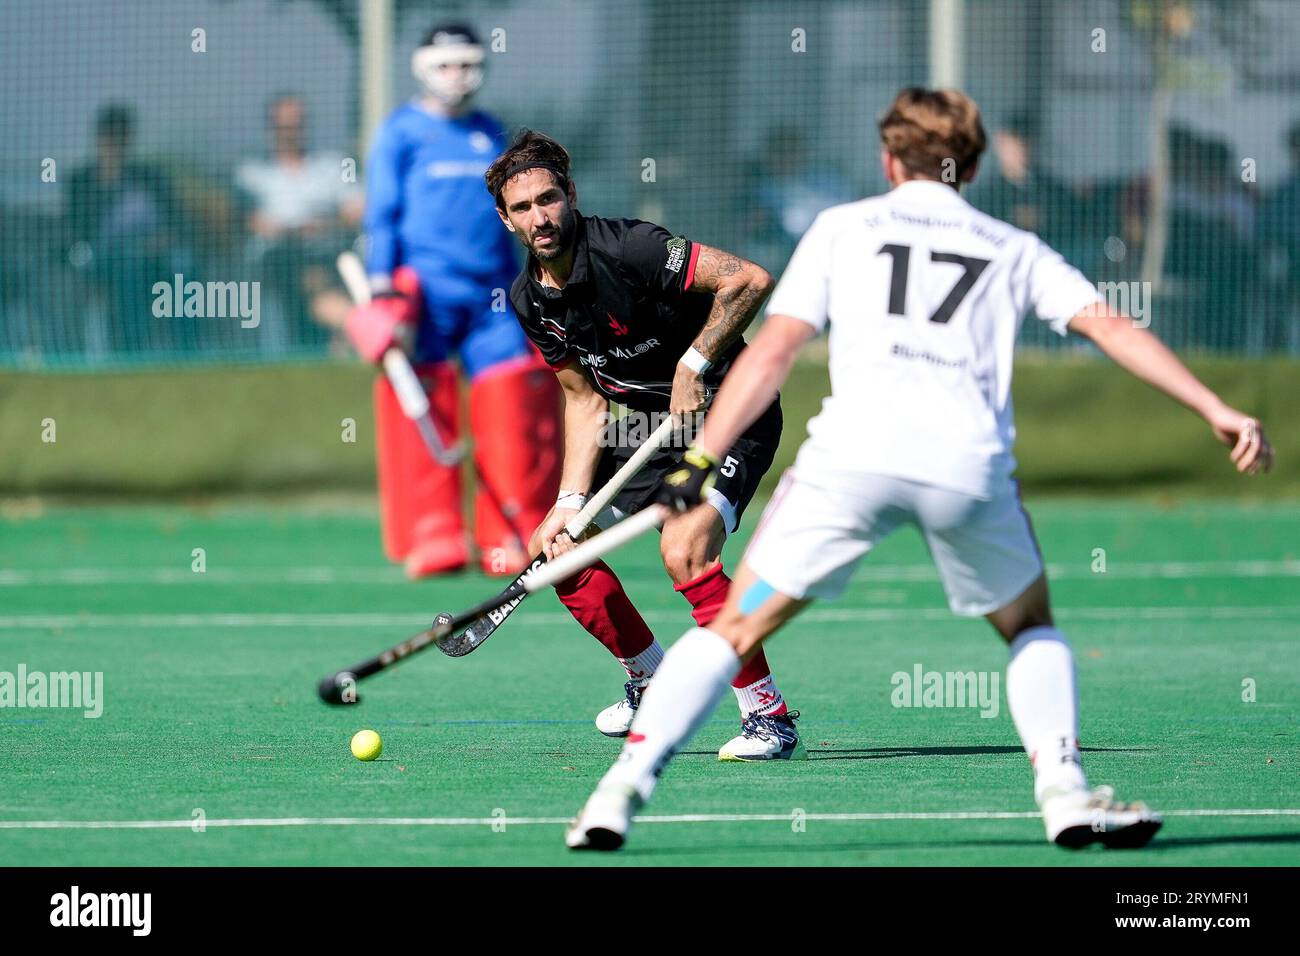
765	737
616	719
1078	818
603	822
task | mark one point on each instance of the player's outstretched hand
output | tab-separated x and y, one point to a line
687	485
1251	452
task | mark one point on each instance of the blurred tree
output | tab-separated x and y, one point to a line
1165	27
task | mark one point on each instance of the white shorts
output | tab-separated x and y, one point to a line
813	533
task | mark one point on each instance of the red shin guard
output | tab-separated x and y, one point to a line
419	499
707	594
597	601
518	447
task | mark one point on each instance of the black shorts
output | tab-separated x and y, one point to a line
742	468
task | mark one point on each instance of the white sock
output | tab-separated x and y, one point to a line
694	676
760	697
643	666
1044	706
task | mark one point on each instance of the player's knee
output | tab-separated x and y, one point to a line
684	560
1012	622
1032	608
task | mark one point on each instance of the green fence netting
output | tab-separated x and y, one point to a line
1156	143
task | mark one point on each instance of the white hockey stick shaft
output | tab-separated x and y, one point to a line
587	553
597	503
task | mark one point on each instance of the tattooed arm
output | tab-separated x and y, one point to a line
739	288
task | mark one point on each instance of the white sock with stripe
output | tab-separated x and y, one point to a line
760	697
693	677
644	665
1043	699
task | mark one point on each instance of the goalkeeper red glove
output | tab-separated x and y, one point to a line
388	319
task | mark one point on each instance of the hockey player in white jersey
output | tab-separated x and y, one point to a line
923	296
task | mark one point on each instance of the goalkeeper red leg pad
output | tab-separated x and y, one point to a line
518	447
419	499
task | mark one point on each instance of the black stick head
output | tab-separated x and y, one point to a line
339	688
450	643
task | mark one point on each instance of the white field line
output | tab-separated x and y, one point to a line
417	620
559	821
1175	570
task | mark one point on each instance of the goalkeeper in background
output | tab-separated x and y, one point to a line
440	266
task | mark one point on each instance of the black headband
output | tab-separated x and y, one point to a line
526	165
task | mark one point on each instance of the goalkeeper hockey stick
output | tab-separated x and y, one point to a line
406	384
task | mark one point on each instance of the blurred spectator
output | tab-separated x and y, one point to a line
1204	182
302	213
1280	222
122	220
784	194
1205	191
1012	187
1280	230
1209	289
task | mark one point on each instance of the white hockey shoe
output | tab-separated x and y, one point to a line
1078	818
765	737
603	822
616	719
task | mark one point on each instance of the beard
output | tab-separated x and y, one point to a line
563	235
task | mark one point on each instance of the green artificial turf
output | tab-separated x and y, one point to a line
210	707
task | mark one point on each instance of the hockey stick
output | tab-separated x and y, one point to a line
484	618
410	393
481	629
340	687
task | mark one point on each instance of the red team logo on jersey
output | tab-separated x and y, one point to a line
618	327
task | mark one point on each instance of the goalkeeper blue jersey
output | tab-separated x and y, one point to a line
426	202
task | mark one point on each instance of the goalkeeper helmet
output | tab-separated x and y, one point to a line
449	62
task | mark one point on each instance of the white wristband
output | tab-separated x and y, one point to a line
571	499
695	360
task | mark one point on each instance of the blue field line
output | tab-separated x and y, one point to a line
525	722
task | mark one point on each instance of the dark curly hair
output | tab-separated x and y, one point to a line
530	149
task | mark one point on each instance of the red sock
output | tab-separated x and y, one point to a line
597	601
707	594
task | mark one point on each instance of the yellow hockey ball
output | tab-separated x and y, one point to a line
366	745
